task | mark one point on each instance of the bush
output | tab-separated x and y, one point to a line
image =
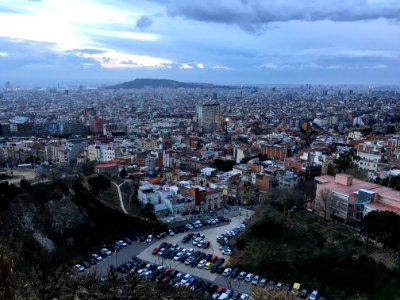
99	183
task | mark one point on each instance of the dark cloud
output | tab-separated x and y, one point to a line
253	15
144	22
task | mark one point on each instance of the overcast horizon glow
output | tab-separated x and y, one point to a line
49	42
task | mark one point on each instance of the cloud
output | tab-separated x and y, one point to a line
315	66
217	67
185	66
89	51
144	22
200	66
117	60
254	15
3	54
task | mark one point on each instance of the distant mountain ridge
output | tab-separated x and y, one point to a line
140	83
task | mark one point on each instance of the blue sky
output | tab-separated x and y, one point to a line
43	43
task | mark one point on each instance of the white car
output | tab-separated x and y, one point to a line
226	251
197	240
249	277
255	280
185	278
227	271
171	219
122	243
189	260
149	238
178	256
201	264
97	257
79	268
171	233
105	251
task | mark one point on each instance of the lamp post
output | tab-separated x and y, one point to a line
226	129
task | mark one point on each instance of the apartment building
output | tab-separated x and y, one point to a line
347	199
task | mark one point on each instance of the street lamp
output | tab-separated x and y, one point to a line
226	129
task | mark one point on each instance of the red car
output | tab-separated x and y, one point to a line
220	290
165	280
206	244
185	213
155	251
214	259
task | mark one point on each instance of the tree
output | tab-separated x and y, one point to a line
99	182
385	226
345	161
45	273
324	200
223	165
123	173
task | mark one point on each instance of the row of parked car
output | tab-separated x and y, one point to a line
223	239
137	236
107	250
173	278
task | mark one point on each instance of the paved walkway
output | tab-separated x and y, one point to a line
120	196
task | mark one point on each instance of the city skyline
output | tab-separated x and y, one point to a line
45	43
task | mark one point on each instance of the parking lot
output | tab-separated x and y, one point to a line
210	235
143	250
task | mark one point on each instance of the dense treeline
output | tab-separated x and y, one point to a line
384	226
278	248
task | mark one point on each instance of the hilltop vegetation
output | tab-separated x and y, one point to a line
63	214
160	83
283	248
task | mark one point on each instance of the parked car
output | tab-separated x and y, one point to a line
313	295
155	251
214	259
207	266
189	260
227	271
178	256
141	237
201	263
249	277
242	275
149	238
96	257
234	273
206	245
105	251
255	280
226	251
263	282
121	243
170	232
303	294
79	268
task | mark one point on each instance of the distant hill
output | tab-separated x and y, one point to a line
140	83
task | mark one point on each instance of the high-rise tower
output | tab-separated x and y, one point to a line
209	116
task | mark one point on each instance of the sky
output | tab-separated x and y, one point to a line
95	42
